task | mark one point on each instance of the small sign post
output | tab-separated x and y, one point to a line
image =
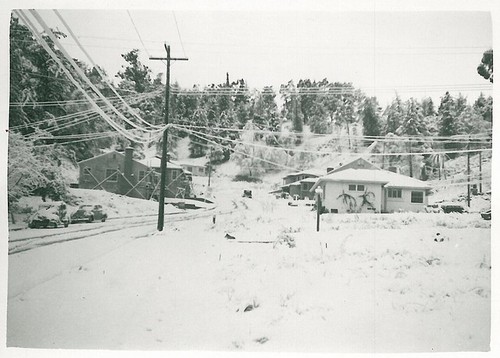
319	194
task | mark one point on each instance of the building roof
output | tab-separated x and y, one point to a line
309	180
385	177
298	182
101	155
155	162
343	165
314	172
193	162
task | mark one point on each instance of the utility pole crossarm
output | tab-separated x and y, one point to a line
169	58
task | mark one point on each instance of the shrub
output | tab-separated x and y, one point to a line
247	178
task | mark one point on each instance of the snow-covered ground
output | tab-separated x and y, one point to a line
364	283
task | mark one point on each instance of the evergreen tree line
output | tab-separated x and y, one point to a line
41	97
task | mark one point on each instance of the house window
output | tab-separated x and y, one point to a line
174	174
394	193
358	187
417	197
142	174
111	175
304	186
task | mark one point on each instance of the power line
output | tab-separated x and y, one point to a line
84	101
47	48
460	137
138	34
179	33
84	77
387	154
78	141
102	74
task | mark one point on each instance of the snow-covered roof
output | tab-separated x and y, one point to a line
343	164
314	172
195	162
298	182
389	179
309	180
155	162
101	155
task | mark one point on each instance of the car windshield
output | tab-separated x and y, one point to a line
85	206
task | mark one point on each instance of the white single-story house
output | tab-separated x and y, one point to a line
196	166
371	190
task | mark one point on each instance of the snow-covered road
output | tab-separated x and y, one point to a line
365	283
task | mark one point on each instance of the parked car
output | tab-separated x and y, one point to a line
247	194
51	214
89	213
486	215
452	208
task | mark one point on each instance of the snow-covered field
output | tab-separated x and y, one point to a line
364	283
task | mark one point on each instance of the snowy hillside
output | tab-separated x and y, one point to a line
364	283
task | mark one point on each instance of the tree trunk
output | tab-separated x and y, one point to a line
383	155
348	134
439	168
444	171
12	218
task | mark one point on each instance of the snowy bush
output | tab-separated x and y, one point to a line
285	238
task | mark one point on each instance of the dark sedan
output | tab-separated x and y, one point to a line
89	213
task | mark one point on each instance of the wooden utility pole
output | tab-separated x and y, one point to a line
468	173
480	172
410	159
210	164
163	165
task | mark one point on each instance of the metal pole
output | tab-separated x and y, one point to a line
468	174
480	173
318	211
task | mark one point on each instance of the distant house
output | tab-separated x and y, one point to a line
121	174
360	186
299	184
195	166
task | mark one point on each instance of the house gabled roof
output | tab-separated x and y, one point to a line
298	182
314	172
386	178
360	158
100	155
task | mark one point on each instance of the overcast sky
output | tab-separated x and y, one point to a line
412	53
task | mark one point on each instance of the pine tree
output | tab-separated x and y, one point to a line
370	118
448	125
413	122
428	107
395	116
